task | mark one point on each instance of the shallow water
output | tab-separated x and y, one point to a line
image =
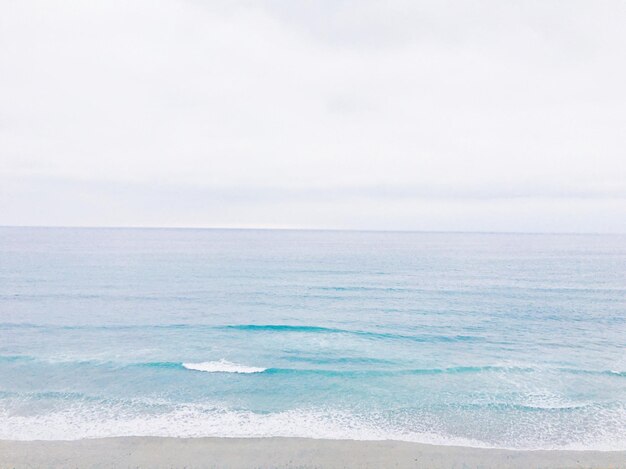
496	340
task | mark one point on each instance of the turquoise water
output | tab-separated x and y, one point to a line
495	340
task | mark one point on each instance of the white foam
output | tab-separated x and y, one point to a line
94	420
222	366
197	420
73	420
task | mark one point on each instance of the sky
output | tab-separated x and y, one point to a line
344	114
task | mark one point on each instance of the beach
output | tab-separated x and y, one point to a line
155	452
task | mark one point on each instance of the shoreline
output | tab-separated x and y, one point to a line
279	452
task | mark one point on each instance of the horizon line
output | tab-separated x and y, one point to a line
355	230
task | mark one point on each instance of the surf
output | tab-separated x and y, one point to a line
222	366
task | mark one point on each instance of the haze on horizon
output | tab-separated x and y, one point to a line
398	115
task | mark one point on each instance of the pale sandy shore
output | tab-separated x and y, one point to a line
153	452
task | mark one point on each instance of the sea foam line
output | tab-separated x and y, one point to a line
94	420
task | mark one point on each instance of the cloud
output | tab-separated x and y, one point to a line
276	103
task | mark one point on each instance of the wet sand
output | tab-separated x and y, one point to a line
155	452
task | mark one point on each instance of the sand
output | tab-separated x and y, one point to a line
154	452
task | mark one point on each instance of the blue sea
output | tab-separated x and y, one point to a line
487	340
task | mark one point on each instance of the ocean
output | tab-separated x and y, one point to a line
486	340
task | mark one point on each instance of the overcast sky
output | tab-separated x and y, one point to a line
424	115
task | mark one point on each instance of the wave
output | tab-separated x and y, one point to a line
16	358
603	428
594	372
285	328
436	371
225	366
94	420
368	334
222	366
